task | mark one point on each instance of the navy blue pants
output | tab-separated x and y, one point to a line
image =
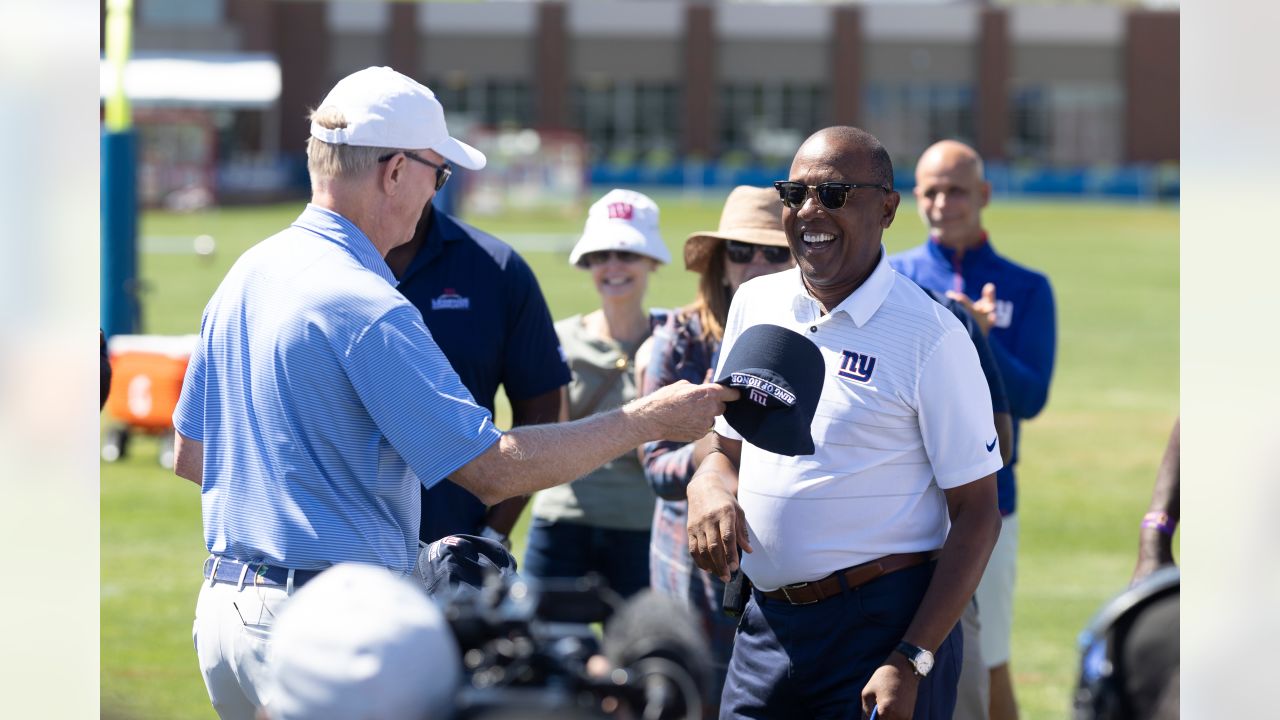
562	549
814	660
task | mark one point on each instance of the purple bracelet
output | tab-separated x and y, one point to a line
1160	522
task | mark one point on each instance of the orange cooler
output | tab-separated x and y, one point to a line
146	378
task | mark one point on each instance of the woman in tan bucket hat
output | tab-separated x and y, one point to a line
749	243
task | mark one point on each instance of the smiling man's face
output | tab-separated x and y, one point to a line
836	249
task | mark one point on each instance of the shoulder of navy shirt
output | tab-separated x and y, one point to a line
497	330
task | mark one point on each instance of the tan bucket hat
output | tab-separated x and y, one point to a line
751	215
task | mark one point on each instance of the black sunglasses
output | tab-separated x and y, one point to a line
442	171
832	195
601	257
742	252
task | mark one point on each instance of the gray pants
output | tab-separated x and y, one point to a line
974	693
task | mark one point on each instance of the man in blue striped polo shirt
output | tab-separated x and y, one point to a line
316	405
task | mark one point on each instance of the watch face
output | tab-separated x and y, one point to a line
924	662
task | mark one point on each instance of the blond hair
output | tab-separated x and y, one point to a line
329	161
711	304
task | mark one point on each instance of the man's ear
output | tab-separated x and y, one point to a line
391	173
890	209
985	196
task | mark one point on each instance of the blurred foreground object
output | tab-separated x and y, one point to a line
1129	665
147	372
362	642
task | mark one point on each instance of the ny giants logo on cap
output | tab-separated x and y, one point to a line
621	211
760	390
856	367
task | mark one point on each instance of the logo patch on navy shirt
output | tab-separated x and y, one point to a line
451	300
856	366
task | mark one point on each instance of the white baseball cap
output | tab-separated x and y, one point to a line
360	641
386	109
622	220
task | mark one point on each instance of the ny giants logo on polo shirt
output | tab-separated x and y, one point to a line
621	211
451	300
856	366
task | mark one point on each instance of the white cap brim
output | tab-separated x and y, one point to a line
619	236
461	154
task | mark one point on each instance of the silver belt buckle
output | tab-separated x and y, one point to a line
796	586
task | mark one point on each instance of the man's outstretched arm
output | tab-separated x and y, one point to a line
531	458
544	408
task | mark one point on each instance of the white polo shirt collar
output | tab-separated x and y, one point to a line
861	304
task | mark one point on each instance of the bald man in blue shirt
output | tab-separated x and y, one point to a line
316	405
1014	306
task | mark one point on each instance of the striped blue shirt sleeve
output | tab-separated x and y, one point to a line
415	398
188	415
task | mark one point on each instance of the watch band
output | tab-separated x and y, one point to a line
911	652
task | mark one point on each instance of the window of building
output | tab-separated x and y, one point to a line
908	118
495	103
628	121
1067	124
181	13
768	121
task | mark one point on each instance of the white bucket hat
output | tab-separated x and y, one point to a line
622	220
386	109
359	641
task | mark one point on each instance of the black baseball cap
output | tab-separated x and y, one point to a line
780	374
456	566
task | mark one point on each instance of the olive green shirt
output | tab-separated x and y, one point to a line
615	496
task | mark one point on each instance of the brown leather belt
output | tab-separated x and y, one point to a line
808	593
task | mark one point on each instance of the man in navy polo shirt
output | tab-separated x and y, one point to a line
485	310
1016	309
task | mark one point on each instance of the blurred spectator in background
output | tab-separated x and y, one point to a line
600	522
485	310
1155	542
362	642
749	242
1015	306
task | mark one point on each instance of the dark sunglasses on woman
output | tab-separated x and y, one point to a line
601	257
832	195
742	252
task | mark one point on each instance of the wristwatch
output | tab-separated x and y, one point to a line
920	659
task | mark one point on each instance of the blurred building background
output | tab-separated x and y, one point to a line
1072	97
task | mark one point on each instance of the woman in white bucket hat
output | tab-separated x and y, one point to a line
600	522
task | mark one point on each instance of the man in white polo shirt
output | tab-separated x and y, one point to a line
864	554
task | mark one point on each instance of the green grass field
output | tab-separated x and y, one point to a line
1088	462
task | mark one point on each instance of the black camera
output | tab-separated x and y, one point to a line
529	649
